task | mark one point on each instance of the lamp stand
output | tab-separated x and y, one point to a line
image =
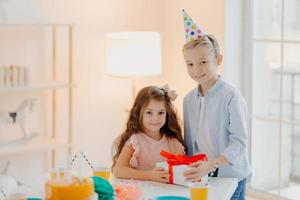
133	94
133	89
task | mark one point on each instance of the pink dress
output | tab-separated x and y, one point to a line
147	150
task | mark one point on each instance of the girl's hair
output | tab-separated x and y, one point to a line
206	40
171	128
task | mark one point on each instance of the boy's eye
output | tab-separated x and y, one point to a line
190	64
203	62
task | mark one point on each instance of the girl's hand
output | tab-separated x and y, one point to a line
198	169
159	174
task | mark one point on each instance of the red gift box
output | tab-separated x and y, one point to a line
175	160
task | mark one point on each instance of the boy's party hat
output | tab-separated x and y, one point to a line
192	30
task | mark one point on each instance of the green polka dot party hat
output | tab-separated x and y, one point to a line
192	30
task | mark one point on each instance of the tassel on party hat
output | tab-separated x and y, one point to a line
192	30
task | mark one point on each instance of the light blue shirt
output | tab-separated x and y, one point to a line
227	122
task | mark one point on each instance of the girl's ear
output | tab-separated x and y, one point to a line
219	59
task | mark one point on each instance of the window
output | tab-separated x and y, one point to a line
275	85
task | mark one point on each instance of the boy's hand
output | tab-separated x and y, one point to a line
198	169
159	174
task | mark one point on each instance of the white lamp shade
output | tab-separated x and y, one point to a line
132	54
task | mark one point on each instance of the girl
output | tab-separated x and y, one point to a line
215	117
152	126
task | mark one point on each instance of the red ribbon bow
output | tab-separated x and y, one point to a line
179	159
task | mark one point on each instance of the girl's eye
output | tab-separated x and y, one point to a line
203	62
148	112
190	65
162	113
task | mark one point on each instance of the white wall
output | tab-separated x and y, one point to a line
99	99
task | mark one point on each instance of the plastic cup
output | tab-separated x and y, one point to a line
199	191
103	172
56	173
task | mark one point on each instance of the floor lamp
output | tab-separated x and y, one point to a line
132	55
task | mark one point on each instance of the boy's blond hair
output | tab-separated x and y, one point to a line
208	40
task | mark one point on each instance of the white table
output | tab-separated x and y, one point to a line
219	188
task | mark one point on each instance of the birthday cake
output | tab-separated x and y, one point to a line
75	189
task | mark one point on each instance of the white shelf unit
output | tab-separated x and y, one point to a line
36	144
47	143
36	87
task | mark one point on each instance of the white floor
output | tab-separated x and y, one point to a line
291	192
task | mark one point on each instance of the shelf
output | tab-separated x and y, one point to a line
36	86
55	34
38	24
34	145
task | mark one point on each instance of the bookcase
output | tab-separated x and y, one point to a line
47	88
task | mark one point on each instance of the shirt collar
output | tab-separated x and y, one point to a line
213	90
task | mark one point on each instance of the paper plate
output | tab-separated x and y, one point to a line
171	198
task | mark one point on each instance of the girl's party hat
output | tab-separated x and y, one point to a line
192	30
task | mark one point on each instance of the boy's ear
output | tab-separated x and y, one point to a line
219	59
